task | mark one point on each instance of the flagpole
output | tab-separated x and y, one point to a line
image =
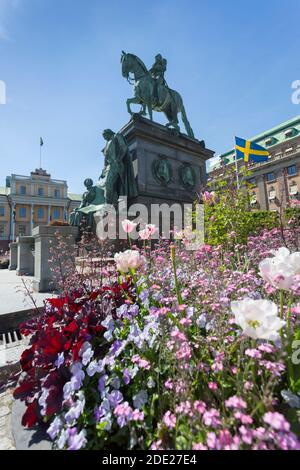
40	155
236	169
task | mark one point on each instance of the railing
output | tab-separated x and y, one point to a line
29	178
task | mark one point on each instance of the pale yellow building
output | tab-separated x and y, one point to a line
28	201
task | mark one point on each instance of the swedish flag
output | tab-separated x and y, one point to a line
250	151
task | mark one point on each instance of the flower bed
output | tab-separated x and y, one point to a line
180	350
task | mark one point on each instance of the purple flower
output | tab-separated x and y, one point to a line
140	399
115	397
76	441
86	353
62	439
92	368
75	411
122	311
54	427
60	360
133	310
43	400
126	376
115	382
102	410
102	383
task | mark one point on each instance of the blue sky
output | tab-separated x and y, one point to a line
232	61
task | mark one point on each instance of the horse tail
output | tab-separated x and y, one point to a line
186	122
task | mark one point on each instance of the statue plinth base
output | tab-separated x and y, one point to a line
168	167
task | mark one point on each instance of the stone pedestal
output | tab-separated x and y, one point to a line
45	240
169	167
13	256
25	256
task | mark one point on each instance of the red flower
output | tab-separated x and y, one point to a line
31	415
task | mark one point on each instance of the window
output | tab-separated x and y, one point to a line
2	231
290	132
293	189
22	230
22	190
291	170
40	213
41	192
57	193
270	141
56	213
272	194
270	176
22	212
2	211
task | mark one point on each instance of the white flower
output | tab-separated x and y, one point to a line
295	262
280	270
257	318
129	259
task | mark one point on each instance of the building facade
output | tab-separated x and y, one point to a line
28	201
277	181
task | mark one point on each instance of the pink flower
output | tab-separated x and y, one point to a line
199	446
212	418
276	421
137	415
212	385
296	310
200	406
144	234
254	353
246	434
156	445
243	418
169	384
128	226
142	363
169	420
235	402
151	228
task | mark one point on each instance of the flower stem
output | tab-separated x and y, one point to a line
281	303
177	289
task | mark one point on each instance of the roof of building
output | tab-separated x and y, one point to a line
274	136
75	197
5	191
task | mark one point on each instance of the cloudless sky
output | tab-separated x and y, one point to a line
233	61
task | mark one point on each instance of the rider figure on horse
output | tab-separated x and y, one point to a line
157	72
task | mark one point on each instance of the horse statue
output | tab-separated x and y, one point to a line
152	95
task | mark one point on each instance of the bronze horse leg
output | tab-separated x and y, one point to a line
135	100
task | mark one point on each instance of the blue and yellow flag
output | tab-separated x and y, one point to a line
250	151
